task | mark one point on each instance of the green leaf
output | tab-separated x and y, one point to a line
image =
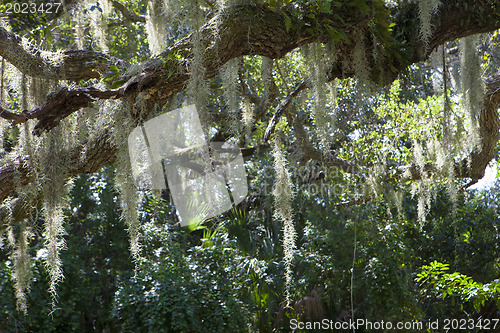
288	21
114	69
117	84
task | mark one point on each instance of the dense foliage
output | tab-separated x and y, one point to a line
363	125
228	276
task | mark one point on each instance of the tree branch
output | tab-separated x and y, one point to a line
61	104
473	166
282	109
312	153
67	65
127	13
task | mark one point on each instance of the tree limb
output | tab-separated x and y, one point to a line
473	166
66	65
127	13
312	153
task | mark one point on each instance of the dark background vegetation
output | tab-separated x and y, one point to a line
229	276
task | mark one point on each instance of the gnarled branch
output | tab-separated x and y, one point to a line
66	65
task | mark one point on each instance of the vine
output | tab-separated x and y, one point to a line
121	112
156	27
229	74
427	8
283	198
473	87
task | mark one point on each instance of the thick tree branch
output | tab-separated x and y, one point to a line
64	102
87	157
67	65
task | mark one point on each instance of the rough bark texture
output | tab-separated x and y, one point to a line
244	30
